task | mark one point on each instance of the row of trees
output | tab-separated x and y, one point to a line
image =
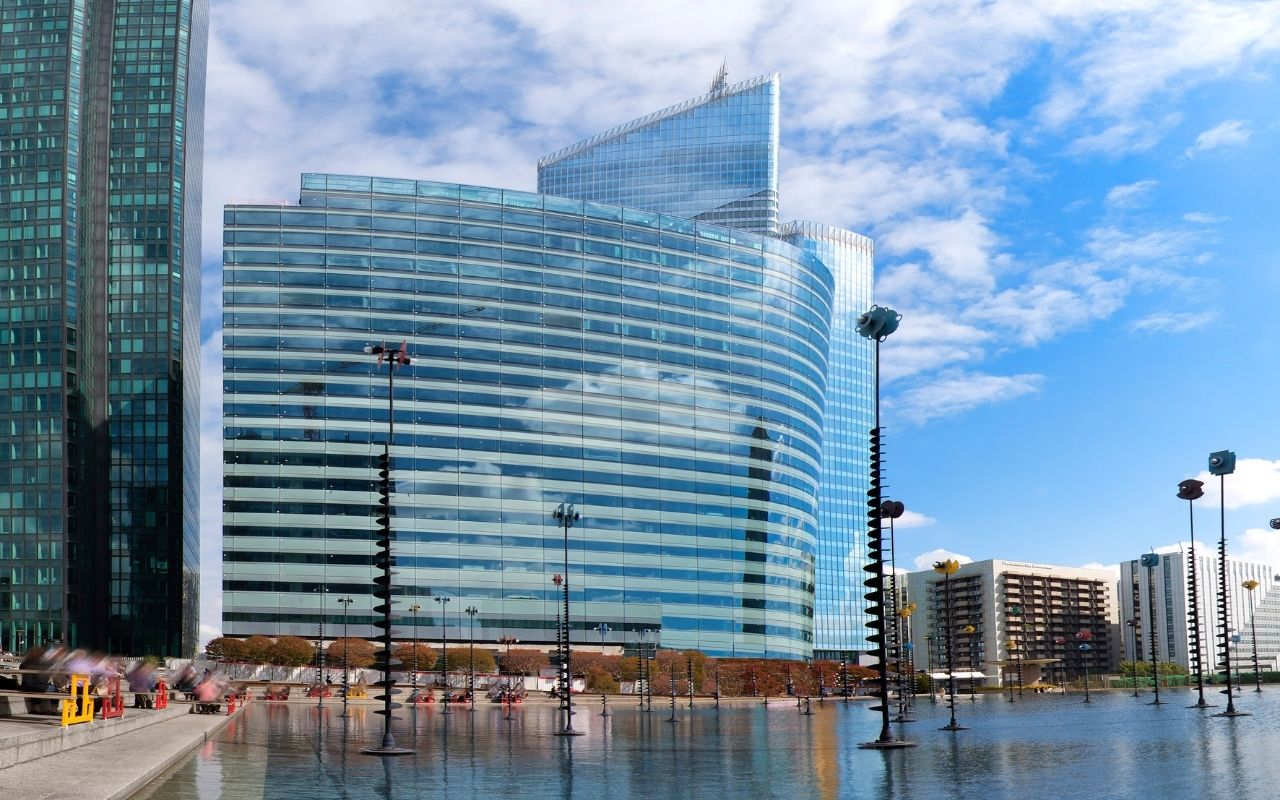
602	672
294	651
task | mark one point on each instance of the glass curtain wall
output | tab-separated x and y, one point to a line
665	376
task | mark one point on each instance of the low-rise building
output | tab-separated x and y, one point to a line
1006	612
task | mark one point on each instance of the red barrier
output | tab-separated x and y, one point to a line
113	700
162	694
231	703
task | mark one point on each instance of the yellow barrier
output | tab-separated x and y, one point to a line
79	706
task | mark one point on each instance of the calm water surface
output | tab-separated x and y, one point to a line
1042	747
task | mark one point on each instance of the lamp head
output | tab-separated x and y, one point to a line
1275	524
947	567
878	323
1190	489
892	509
1223	462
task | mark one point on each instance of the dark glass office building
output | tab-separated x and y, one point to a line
100	162
715	157
666	376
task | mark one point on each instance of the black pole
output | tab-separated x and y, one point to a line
1151	607
346	664
1224	601
382	583
1253	635
1132	622
566	515
444	654
1190	490
950	645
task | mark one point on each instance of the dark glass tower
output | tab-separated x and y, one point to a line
100	168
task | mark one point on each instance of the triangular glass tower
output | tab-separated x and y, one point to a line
713	158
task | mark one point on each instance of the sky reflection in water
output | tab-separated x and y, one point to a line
1043	747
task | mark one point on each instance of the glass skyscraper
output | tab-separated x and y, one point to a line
716	157
666	376
712	158
100	162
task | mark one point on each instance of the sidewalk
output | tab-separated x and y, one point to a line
117	767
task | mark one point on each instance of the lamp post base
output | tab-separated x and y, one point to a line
954	726
387	751
569	732
1234	714
1202	704
892	744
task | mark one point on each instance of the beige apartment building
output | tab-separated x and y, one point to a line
1006	612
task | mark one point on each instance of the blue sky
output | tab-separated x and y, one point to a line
1073	205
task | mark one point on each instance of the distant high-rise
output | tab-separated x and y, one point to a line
99	322
715	157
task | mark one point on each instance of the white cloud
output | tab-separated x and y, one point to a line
925	561
1114	569
913	519
1232	133
960	248
1257	544
955	392
1202	218
1128	195
1256	481
1171	322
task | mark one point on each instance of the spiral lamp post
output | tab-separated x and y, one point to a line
946	569
395	357
1251	584
1223	463
1192	490
1151	561
566	515
877	324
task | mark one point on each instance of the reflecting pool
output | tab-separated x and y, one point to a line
1046	746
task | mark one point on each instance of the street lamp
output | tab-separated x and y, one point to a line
320	682
877	324
566	515
602	629
1150	561
928	668
946	569
1192	490
395	357
1251	584
906	689
346	663
1084	651
413	672
1132	623
508	641
1222	463
471	612
891	510
444	654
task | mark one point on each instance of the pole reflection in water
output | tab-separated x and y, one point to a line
743	752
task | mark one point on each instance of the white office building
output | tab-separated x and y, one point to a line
1166	587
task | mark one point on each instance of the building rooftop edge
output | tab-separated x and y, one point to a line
656	116
821	230
764	239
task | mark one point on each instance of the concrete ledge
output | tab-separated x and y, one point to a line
40	739
116	768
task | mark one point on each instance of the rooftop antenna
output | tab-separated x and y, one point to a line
722	77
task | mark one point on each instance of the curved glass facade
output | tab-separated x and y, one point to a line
666	376
841	618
